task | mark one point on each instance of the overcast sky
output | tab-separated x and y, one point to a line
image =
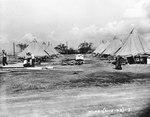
74	21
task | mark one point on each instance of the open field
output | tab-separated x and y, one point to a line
97	91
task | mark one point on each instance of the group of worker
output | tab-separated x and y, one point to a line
29	60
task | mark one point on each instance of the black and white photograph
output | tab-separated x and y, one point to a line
74	58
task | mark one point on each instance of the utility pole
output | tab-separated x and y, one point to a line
67	46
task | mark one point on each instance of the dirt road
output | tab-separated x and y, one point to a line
99	93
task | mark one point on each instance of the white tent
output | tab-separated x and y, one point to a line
103	45
103	48
35	49
112	46
47	49
134	44
53	50
98	48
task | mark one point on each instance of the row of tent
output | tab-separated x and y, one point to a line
38	50
133	45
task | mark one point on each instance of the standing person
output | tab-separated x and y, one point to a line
33	60
118	62
4	58
27	59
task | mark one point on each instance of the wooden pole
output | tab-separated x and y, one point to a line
67	46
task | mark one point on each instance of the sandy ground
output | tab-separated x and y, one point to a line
96	90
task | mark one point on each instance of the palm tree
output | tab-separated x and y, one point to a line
22	46
61	48
85	47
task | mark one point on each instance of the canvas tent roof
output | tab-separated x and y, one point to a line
49	49
103	47
133	45
52	49
35	49
112	46
98	48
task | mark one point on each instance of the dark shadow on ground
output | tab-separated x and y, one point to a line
45	81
